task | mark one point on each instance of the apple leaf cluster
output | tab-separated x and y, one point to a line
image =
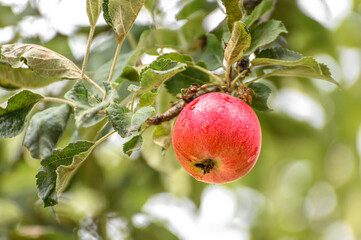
234	56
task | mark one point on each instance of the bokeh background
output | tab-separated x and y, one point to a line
306	184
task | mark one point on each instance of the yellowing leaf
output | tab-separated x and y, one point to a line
239	41
22	77
93	9
233	12
41	60
162	134
121	14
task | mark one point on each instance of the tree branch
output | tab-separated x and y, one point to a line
178	106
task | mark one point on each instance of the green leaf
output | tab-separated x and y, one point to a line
121	14
151	40
185	79
150	5
13	117
192	30
43	61
213	55
45	129
293	64
130	73
322	72
261	9
6	85
8	77
11	78
239	41
134	144
87	106
162	134
93	9
177	57
102	73
158	72
106	13
190	8
124	121
233	11
264	34
259	99
56	170
147	99
276	56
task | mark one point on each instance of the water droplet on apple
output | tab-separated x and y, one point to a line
183	122
227	99
193	104
205	128
251	159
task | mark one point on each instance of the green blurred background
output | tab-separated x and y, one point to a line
305	185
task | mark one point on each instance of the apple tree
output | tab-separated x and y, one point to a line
122	95
180	101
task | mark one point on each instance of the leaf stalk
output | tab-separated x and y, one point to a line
58	100
214	76
116	55
228	76
85	60
95	85
103	138
258	78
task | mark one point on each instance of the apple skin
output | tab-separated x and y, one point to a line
217	138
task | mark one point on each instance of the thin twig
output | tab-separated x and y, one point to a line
241	75
103	138
218	79
100	130
116	55
144	129
59	100
95	85
85	61
132	104
131	40
258	78
228	76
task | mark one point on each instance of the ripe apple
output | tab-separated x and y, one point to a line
217	138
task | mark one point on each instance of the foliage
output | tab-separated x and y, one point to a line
246	51
46	127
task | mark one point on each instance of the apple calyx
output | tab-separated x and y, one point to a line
206	165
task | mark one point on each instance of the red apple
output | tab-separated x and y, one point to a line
217	138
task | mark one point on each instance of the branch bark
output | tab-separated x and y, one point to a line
178	107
